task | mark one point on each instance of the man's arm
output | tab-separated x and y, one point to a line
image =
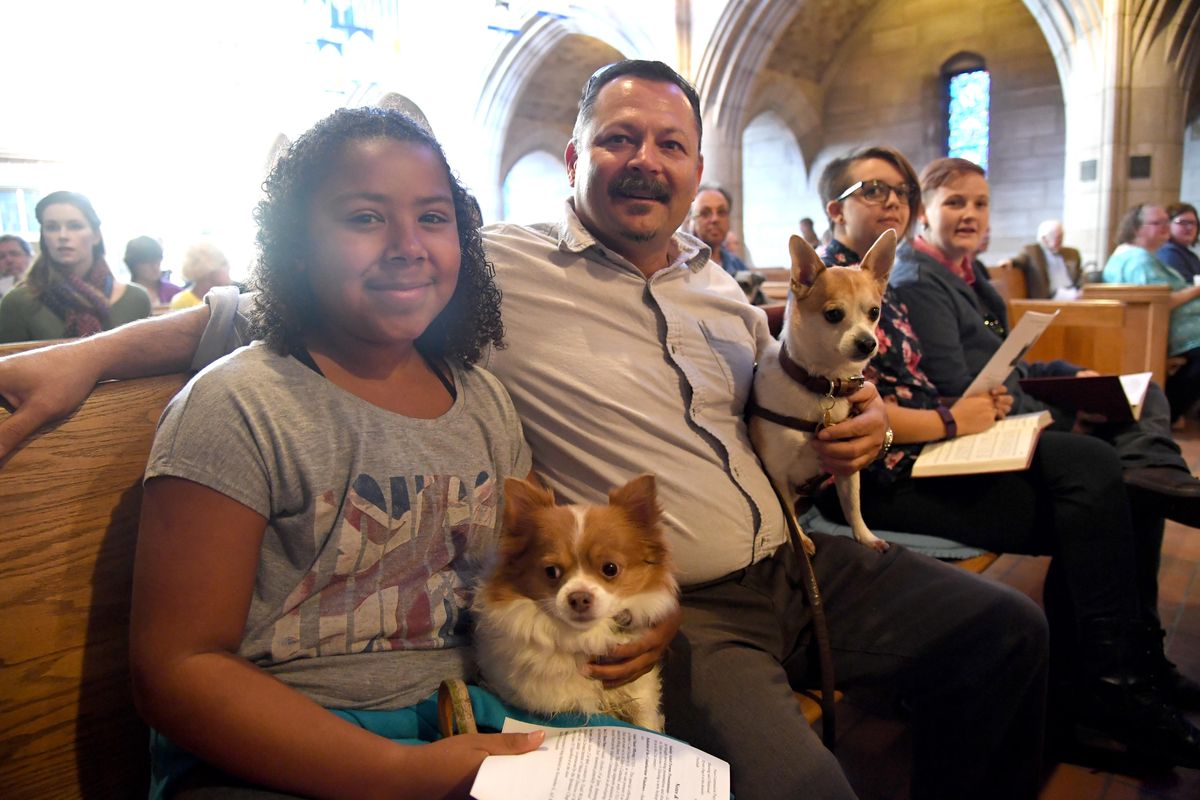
51	382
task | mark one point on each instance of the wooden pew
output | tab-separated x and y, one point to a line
70	498
1114	329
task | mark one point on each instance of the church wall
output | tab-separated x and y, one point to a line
1190	188
886	87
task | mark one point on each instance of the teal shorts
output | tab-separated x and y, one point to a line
413	725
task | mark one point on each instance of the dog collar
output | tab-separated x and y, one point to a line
836	387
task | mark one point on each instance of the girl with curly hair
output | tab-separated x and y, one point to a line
318	504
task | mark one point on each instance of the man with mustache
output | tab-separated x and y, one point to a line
630	352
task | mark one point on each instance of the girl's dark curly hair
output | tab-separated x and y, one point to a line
286	308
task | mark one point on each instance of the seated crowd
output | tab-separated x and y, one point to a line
387	376
69	290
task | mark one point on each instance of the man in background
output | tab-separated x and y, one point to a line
15	255
1051	270
709	222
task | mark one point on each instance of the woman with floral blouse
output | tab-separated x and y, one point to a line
1109	673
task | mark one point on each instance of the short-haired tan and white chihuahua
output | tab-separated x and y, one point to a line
803	379
571	582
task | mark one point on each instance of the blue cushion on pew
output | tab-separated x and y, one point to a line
933	546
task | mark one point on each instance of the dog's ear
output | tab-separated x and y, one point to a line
521	498
806	266
879	259
639	499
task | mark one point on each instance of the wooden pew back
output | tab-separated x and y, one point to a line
70	499
1114	329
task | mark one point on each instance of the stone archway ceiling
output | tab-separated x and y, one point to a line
811	40
1180	21
550	97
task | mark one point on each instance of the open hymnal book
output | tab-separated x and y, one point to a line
1117	398
600	763
1010	352
1007	446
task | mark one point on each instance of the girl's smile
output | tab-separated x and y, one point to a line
385	249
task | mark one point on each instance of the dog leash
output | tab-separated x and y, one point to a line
820	625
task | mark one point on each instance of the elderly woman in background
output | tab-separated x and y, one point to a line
144	256
69	291
1177	252
1143	230
204	266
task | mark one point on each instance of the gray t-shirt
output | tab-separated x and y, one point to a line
378	524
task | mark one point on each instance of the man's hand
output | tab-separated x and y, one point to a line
42	386
633	660
847	447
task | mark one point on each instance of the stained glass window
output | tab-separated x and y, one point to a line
970	95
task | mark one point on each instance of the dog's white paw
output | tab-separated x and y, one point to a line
868	539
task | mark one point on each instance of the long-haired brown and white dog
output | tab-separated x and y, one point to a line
569	583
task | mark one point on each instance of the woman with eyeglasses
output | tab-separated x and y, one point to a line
1177	252
1080	516
1144	230
69	291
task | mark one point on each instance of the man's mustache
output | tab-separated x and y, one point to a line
640	186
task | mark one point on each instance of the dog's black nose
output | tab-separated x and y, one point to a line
865	345
580	601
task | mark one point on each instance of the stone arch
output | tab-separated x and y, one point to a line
748	32
534	187
769	206
529	81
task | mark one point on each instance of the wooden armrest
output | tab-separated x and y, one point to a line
1127	292
1074	313
776	290
21	347
774	273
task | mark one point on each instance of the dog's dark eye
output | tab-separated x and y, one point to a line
609	569
834	315
553	572
873	314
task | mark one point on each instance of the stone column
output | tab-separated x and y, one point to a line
1124	100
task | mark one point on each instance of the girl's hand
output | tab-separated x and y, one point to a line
456	759
974	414
1002	401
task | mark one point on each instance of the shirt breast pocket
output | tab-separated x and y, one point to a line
734	349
